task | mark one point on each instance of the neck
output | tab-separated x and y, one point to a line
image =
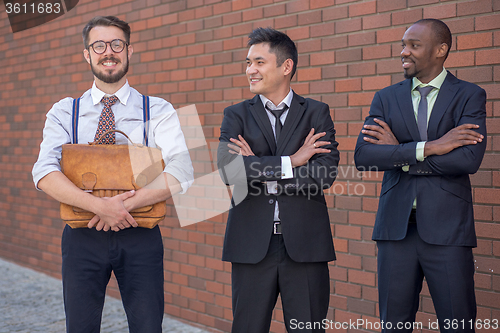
277	96
109	88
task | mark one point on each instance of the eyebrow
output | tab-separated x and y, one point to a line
257	58
411	40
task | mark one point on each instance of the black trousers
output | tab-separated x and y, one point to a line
135	255
304	289
449	272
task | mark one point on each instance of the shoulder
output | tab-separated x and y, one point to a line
65	105
157	105
241	107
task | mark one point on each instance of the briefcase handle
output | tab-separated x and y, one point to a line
111	131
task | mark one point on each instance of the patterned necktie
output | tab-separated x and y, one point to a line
277	125
106	122
422	111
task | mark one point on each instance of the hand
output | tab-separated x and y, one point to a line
380	135
112	214
240	147
310	147
459	136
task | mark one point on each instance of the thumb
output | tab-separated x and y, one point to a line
126	195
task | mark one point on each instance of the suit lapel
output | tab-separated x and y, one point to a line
295	113
446	94
403	96
260	115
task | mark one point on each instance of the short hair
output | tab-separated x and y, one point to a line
105	21
442	33
279	44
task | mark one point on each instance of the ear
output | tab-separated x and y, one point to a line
442	50
130	51
86	55
287	66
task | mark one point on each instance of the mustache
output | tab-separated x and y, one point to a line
109	59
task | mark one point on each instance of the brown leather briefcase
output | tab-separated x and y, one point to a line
109	170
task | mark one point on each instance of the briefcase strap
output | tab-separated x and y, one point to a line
145	118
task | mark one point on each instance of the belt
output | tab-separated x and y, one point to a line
413	216
277	228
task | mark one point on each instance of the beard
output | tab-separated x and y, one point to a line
110	78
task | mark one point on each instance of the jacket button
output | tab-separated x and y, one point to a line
271	201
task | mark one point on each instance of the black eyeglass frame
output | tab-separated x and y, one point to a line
125	44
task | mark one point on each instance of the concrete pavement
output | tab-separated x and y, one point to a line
32	302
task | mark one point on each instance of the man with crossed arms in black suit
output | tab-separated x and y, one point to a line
428	134
278	238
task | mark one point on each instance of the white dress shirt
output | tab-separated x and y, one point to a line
286	162
164	130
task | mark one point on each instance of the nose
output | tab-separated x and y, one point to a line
251	69
405	52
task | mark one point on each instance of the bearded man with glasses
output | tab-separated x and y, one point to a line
116	244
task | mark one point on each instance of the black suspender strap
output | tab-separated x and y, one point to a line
76	113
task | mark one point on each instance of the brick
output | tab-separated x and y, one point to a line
360	277
376	82
376	52
461	25
335	42
347	289
297	6
348	25
306	74
441	12
357	99
461	59
414	3
365	38
276	10
348	85
335	13
325	29
475	41
407	16
322	58
362	69
476	75
390	5
348	55
474	7
363	8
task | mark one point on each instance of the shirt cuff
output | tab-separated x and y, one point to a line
420	151
286	167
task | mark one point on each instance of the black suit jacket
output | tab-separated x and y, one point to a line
440	183
303	211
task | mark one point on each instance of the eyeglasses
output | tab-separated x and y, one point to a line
99	47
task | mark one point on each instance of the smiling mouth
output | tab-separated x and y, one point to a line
109	62
407	63
254	80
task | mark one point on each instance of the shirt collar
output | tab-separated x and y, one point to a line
437	82
122	94
286	101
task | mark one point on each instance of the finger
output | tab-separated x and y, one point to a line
467	126
315	137
374	134
233	147
309	136
131	221
371	140
100	225
382	123
93	221
106	227
374	128
245	143
321	150
321	143
237	142
125	195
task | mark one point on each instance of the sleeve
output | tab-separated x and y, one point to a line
465	159
168	136
369	156
57	131
319	172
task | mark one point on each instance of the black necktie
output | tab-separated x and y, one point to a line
277	125
422	111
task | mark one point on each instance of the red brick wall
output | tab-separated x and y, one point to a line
193	51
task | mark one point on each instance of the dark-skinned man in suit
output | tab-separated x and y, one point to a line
427	134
